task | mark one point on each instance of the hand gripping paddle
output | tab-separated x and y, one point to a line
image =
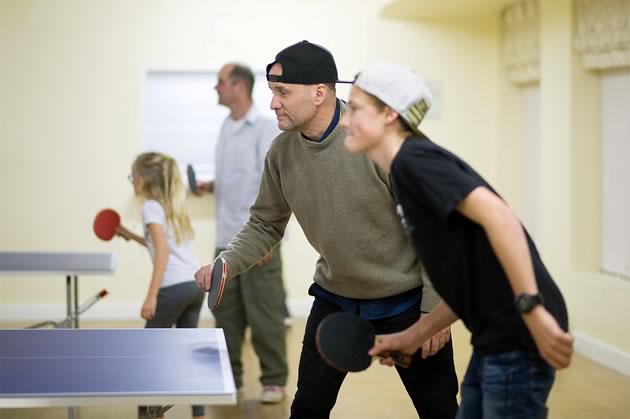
105	224
217	282
344	339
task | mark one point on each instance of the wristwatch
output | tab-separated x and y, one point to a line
526	302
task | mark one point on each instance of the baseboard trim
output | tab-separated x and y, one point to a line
112	311
602	353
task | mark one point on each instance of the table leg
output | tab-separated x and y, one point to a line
76	301
69	297
73	413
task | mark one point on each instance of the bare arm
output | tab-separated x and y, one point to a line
158	237
505	234
509	243
128	235
412	338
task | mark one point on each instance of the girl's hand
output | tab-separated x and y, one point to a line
148	308
123	232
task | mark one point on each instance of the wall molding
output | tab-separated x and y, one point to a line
112	311
520	39
602	353
603	33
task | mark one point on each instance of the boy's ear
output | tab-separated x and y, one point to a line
390	115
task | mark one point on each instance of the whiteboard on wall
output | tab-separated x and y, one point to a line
181	116
616	172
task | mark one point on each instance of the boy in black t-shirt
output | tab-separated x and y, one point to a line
481	260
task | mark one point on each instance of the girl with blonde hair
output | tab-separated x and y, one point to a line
173	297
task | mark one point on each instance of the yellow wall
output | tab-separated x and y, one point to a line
70	88
570	195
72	73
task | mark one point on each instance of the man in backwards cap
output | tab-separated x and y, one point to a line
345	207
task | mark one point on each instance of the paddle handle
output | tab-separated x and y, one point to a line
401	359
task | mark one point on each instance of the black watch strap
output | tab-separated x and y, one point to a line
527	302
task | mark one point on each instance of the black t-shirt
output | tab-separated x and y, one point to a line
429	182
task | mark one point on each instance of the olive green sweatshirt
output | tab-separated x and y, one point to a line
345	207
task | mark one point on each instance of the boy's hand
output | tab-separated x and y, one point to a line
395	342
554	344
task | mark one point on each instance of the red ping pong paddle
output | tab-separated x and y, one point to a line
344	339
217	282
105	224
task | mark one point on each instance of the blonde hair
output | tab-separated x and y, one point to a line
161	181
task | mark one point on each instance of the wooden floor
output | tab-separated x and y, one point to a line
584	391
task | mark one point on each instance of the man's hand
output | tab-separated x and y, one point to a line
203	188
437	342
265	259
203	277
554	344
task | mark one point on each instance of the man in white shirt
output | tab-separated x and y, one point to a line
256	297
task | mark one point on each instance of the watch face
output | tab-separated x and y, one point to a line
526	302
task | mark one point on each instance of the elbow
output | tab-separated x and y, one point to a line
502	216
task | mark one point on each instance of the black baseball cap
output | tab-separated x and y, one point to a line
305	63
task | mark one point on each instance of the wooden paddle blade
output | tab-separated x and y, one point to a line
344	339
219	275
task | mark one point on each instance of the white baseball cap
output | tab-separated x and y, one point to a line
399	88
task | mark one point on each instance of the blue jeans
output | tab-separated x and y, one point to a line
507	385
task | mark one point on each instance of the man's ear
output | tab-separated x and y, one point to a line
320	93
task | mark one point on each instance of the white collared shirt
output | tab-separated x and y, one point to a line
240	159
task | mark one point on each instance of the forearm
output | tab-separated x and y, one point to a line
255	240
263	231
437	320
138	239
506	236
509	243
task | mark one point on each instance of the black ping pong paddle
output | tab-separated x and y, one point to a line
344	339
219	275
192	178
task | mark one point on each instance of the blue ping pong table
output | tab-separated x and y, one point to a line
71	265
83	367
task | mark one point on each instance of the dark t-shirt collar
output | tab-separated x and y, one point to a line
331	127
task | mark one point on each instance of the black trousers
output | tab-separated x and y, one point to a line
431	383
